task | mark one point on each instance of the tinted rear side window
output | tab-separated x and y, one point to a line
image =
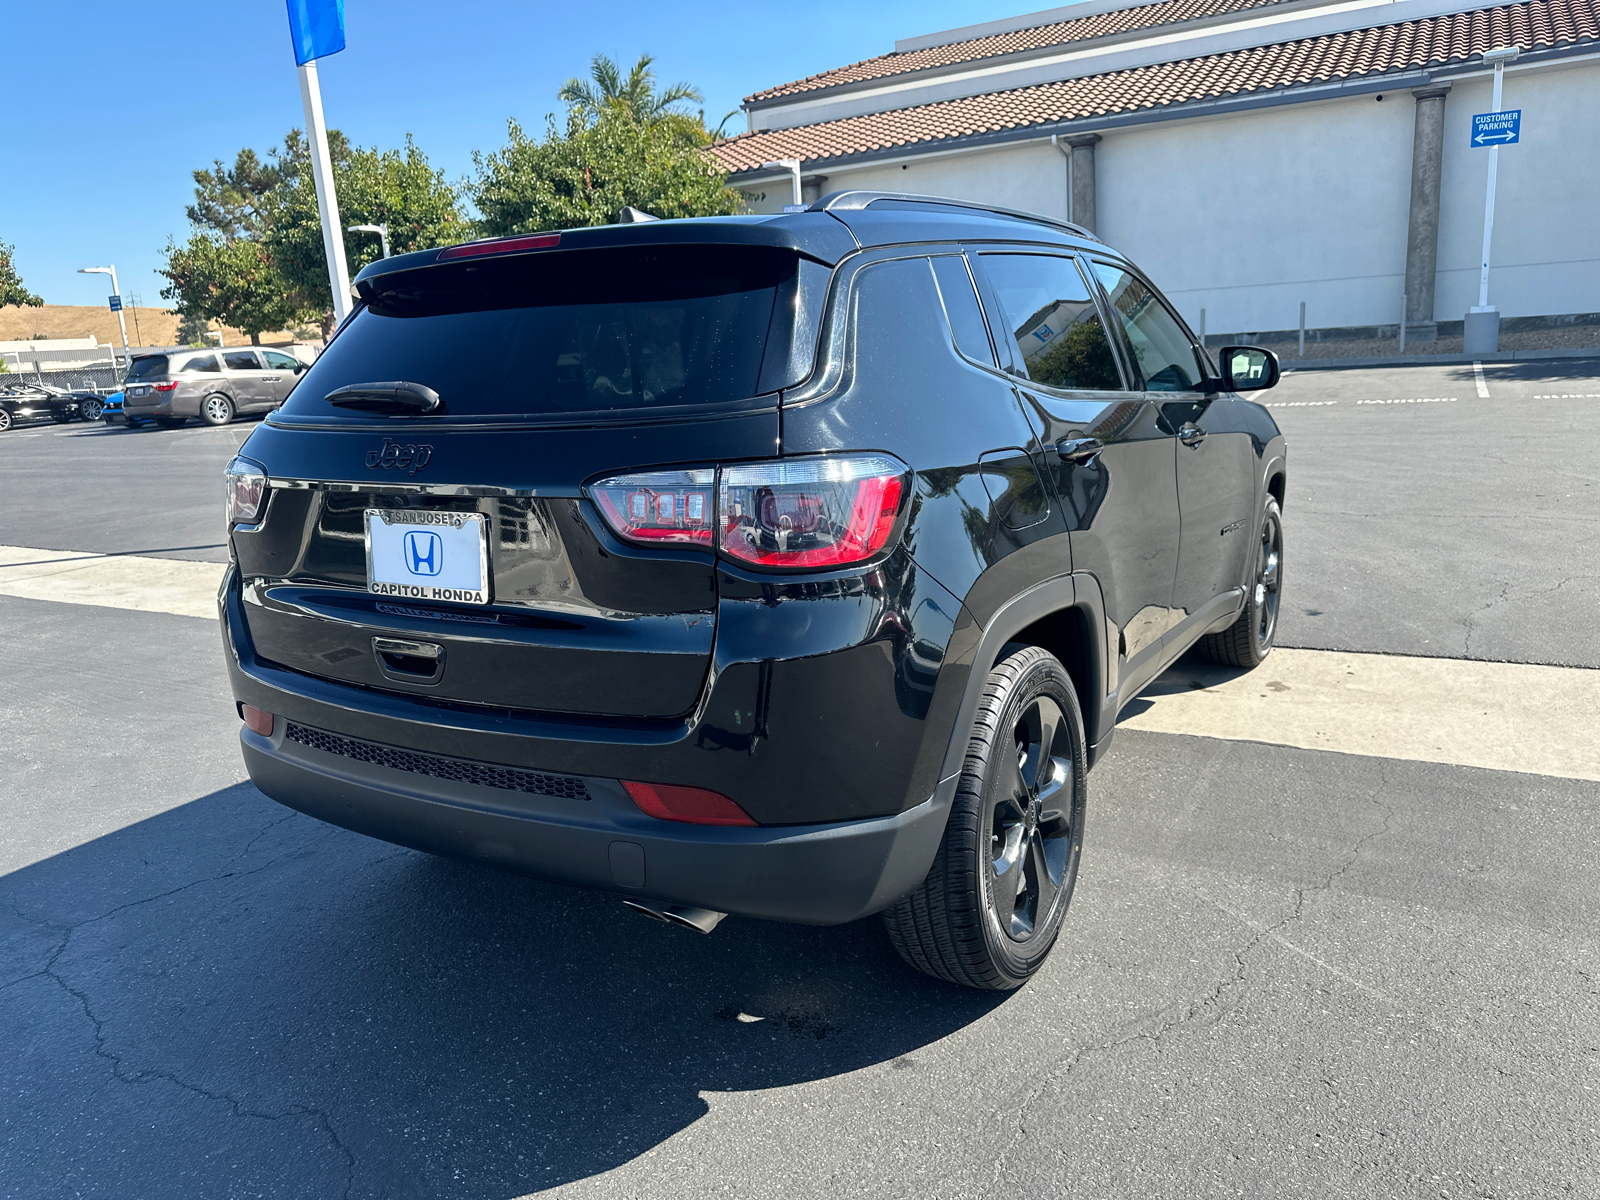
1055	321
201	362
591	333
151	366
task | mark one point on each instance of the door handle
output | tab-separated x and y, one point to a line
1079	449
1191	435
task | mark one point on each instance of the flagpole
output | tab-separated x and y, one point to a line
327	201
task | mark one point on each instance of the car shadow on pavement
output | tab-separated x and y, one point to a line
1190	673
231	998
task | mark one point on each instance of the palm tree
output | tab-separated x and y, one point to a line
636	94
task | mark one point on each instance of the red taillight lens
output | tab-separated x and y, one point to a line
541	241
810	512
662	506
697	806
244	491
257	720
164	387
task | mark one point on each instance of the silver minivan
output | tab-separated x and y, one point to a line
214	385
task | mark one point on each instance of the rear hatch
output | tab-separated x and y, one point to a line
552	368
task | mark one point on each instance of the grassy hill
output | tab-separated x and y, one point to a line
146	326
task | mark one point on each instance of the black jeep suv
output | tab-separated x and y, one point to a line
790	566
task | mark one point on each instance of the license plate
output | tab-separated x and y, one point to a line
428	555
139	391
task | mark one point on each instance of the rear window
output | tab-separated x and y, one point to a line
151	366
201	362
593	333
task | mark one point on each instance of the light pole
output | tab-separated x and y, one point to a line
791	165
1481	334
215	333
381	230
117	292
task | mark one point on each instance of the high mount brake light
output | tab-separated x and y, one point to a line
244	491
658	506
791	514
696	806
542	241
813	513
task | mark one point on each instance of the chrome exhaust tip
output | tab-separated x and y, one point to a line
701	920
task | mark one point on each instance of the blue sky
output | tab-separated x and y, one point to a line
112	105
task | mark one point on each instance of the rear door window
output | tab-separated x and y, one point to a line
1167	358
592	334
201	362
1053	317
278	361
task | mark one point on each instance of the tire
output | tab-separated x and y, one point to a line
1247	642
5	420
1018	816
90	410
170	422
216	409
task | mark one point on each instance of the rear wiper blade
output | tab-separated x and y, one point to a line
395	398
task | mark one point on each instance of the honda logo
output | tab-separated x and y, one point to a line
424	552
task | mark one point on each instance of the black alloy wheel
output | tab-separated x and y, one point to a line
5	419
993	902
1247	642
216	409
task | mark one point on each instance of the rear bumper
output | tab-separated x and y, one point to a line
815	875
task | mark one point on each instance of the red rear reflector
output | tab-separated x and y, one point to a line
697	806
256	720
541	241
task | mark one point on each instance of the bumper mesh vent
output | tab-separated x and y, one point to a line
507	779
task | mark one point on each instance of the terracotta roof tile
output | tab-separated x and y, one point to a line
1410	45
1079	29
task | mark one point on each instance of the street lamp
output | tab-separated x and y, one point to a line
381	230
215	333
791	165
122	324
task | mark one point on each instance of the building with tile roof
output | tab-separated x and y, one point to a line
1251	154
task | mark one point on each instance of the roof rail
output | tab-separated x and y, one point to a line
853	201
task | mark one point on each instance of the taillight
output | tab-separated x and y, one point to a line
696	806
810	512
661	506
164	387
244	491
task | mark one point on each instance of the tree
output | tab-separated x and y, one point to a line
637	93
235	282
192	328
394	188
255	258
11	289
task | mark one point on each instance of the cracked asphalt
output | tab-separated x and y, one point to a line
1286	972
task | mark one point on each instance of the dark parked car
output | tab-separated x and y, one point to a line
789	566
213	385
25	401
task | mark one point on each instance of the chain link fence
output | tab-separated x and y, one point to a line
105	378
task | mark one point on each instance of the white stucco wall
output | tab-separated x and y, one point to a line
1247	215
1546	253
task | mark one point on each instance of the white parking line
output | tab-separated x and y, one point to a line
1570	396
1502	716
1301	403
1477	378
1422	400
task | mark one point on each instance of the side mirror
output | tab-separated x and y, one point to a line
1248	368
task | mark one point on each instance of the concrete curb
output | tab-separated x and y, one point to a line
1421	360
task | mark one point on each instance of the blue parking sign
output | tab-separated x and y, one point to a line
1497	129
116	303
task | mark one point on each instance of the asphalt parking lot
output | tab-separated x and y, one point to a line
1289	970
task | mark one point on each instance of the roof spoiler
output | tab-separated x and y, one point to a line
854	201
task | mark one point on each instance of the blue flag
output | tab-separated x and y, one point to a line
316	27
